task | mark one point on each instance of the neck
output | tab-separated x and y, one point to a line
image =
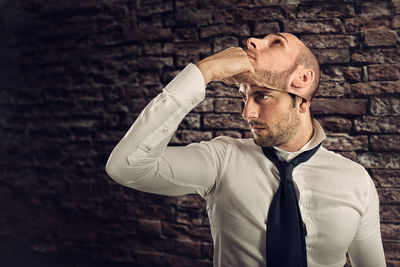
303	135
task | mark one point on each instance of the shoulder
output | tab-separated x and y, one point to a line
346	169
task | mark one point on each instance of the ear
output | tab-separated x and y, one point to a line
304	105
303	78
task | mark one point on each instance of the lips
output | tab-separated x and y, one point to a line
250	55
257	127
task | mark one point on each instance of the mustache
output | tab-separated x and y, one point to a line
257	124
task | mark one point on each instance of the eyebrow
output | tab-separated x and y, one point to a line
281	35
258	91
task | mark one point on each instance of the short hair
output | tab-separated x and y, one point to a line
307	59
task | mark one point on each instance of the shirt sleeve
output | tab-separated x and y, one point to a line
142	160
366	248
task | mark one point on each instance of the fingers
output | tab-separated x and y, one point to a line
225	64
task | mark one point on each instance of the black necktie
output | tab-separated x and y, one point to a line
286	244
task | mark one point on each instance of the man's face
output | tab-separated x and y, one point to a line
272	117
273	58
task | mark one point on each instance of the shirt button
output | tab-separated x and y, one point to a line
165	130
193	101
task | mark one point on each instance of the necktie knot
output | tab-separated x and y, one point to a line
285	170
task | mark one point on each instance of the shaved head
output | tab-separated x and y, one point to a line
307	59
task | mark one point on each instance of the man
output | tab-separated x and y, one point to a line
338	207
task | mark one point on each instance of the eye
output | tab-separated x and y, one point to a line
277	42
261	97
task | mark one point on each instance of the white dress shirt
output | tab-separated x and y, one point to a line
337	198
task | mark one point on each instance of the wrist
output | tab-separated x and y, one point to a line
205	71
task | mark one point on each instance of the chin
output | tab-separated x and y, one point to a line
267	141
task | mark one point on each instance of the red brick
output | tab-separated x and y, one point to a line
147	10
380	37
207	105
190	17
375	88
395	22
375	9
191	201
325	10
390	231
386	178
392	262
330	55
149	227
358	24
339	106
256	14
221	89
333	89
273	2
186	49
329	41
192	217
224	30
207	250
224	16
385	142
382	124
224	121
391	249
191	121
396	6
335	124
185	34
332	73
344	142
185	232
228	105
224	3
389	213
377	55
385	106
383	72
221	43
183	61
379	160
353	74
265	28
389	195
313	26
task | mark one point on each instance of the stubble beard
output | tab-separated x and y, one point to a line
274	79
281	133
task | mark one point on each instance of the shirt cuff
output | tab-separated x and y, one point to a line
188	87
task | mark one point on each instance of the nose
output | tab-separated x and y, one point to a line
254	43
250	110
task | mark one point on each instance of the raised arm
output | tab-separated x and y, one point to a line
143	161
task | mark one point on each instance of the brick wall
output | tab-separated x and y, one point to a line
75	74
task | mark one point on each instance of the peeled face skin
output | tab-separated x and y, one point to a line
271	116
273	58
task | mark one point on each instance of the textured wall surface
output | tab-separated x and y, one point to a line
75	74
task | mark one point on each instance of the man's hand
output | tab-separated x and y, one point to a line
225	64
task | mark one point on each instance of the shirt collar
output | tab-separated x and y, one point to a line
318	137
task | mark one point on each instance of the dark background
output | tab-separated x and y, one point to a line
75	74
